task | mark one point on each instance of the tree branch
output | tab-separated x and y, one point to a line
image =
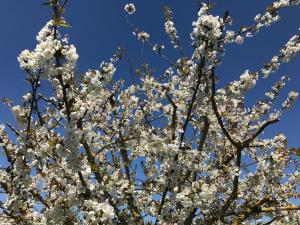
217	114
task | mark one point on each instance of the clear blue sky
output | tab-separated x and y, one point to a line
98	27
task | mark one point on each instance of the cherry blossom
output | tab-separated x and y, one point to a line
170	148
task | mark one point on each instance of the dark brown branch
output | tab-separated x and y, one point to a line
259	131
173	127
251	210
162	202
191	104
174	117
87	192
130	199
216	111
17	133
40	198
234	192
34	85
189	219
67	102
284	208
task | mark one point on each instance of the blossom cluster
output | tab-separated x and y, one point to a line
168	149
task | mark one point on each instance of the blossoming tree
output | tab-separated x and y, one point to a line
169	149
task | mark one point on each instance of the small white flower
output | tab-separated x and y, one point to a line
239	39
257	17
158	48
143	36
107	68
229	37
27	97
293	94
130	8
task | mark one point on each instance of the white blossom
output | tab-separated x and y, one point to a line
143	36
173	146
239	39
130	8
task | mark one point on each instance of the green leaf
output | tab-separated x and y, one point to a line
64	25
